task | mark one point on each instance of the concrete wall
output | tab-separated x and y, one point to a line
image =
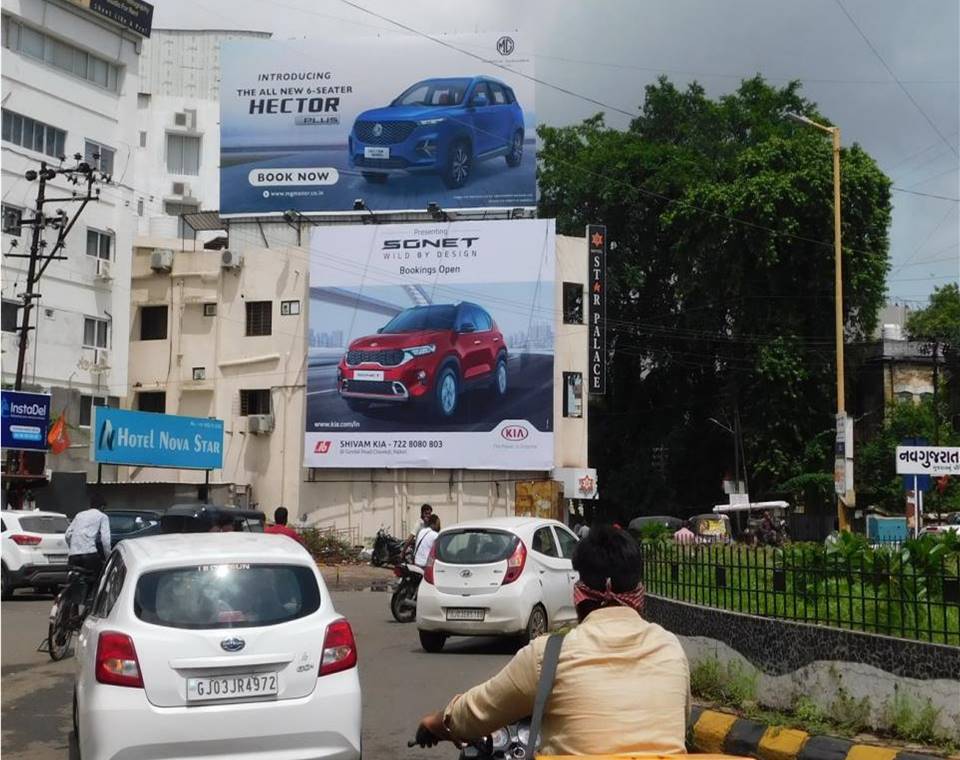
826	665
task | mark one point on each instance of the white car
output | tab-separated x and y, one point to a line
509	576
215	645
33	550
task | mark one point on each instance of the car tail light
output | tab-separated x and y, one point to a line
22	540
515	563
428	568
339	648
117	662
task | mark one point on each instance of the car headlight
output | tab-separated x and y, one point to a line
431	122
500	739
420	350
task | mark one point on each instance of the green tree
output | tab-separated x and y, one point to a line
721	285
938	328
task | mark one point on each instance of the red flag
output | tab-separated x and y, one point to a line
58	438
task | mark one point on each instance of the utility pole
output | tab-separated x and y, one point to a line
81	173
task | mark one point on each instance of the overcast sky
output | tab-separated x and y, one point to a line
610	49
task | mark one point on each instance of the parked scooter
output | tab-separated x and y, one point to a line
387	549
403	603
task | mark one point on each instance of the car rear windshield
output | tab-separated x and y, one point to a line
422	318
474	546
226	595
44	524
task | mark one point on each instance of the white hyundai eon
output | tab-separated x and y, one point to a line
215	645
508	576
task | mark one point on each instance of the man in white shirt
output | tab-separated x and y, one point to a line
426	538
81	538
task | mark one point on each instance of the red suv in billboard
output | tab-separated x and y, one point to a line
428	354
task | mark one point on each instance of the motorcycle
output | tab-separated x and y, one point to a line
505	743
403	603
387	549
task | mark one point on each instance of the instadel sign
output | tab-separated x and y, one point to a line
26	417
156	440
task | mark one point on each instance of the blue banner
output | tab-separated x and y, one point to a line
25	419
156	440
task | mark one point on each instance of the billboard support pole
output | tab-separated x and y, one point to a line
99	473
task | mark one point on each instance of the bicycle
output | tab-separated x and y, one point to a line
69	611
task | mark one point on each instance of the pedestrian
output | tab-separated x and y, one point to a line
280	527
584	531
685	535
426	538
426	511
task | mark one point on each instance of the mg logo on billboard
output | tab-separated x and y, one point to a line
514	433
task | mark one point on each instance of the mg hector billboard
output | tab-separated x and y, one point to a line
431	345
312	125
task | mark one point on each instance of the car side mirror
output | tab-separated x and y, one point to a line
379	330
480	100
468	327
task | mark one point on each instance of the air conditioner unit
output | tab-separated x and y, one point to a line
101	359
260	423
181	189
104	269
231	259
186	119
161	260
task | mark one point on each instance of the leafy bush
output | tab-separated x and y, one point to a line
909	721
327	547
728	684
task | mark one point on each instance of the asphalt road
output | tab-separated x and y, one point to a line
529	397
493	184
400	681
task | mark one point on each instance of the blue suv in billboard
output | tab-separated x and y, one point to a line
439	126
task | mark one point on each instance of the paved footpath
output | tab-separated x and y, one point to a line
400	682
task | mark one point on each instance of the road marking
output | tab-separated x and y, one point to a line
320	393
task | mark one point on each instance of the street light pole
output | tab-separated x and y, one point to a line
849	498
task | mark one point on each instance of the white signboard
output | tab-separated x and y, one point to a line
431	345
928	460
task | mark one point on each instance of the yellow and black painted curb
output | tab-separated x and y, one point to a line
722	733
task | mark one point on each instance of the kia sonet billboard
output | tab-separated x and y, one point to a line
431	345
400	122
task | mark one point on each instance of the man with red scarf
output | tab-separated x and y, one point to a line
622	684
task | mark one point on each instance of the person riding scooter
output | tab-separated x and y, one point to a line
622	684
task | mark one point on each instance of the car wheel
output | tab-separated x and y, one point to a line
446	393
7	588
515	156
375	178
500	377
459	163
536	625
432	641
357	405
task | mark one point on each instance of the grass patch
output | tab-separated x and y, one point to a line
912	720
728	684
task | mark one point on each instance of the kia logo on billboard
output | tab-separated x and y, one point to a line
514	433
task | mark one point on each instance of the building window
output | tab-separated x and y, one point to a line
139	206
33	135
289	308
10	311
573	394
143	100
96	333
256	401
153	323
184	230
209	310
152	401
183	154
572	303
12	220
88	402
99	244
259	317
99	156
61	55
143	139
199	373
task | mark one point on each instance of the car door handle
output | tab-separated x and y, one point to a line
477	342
